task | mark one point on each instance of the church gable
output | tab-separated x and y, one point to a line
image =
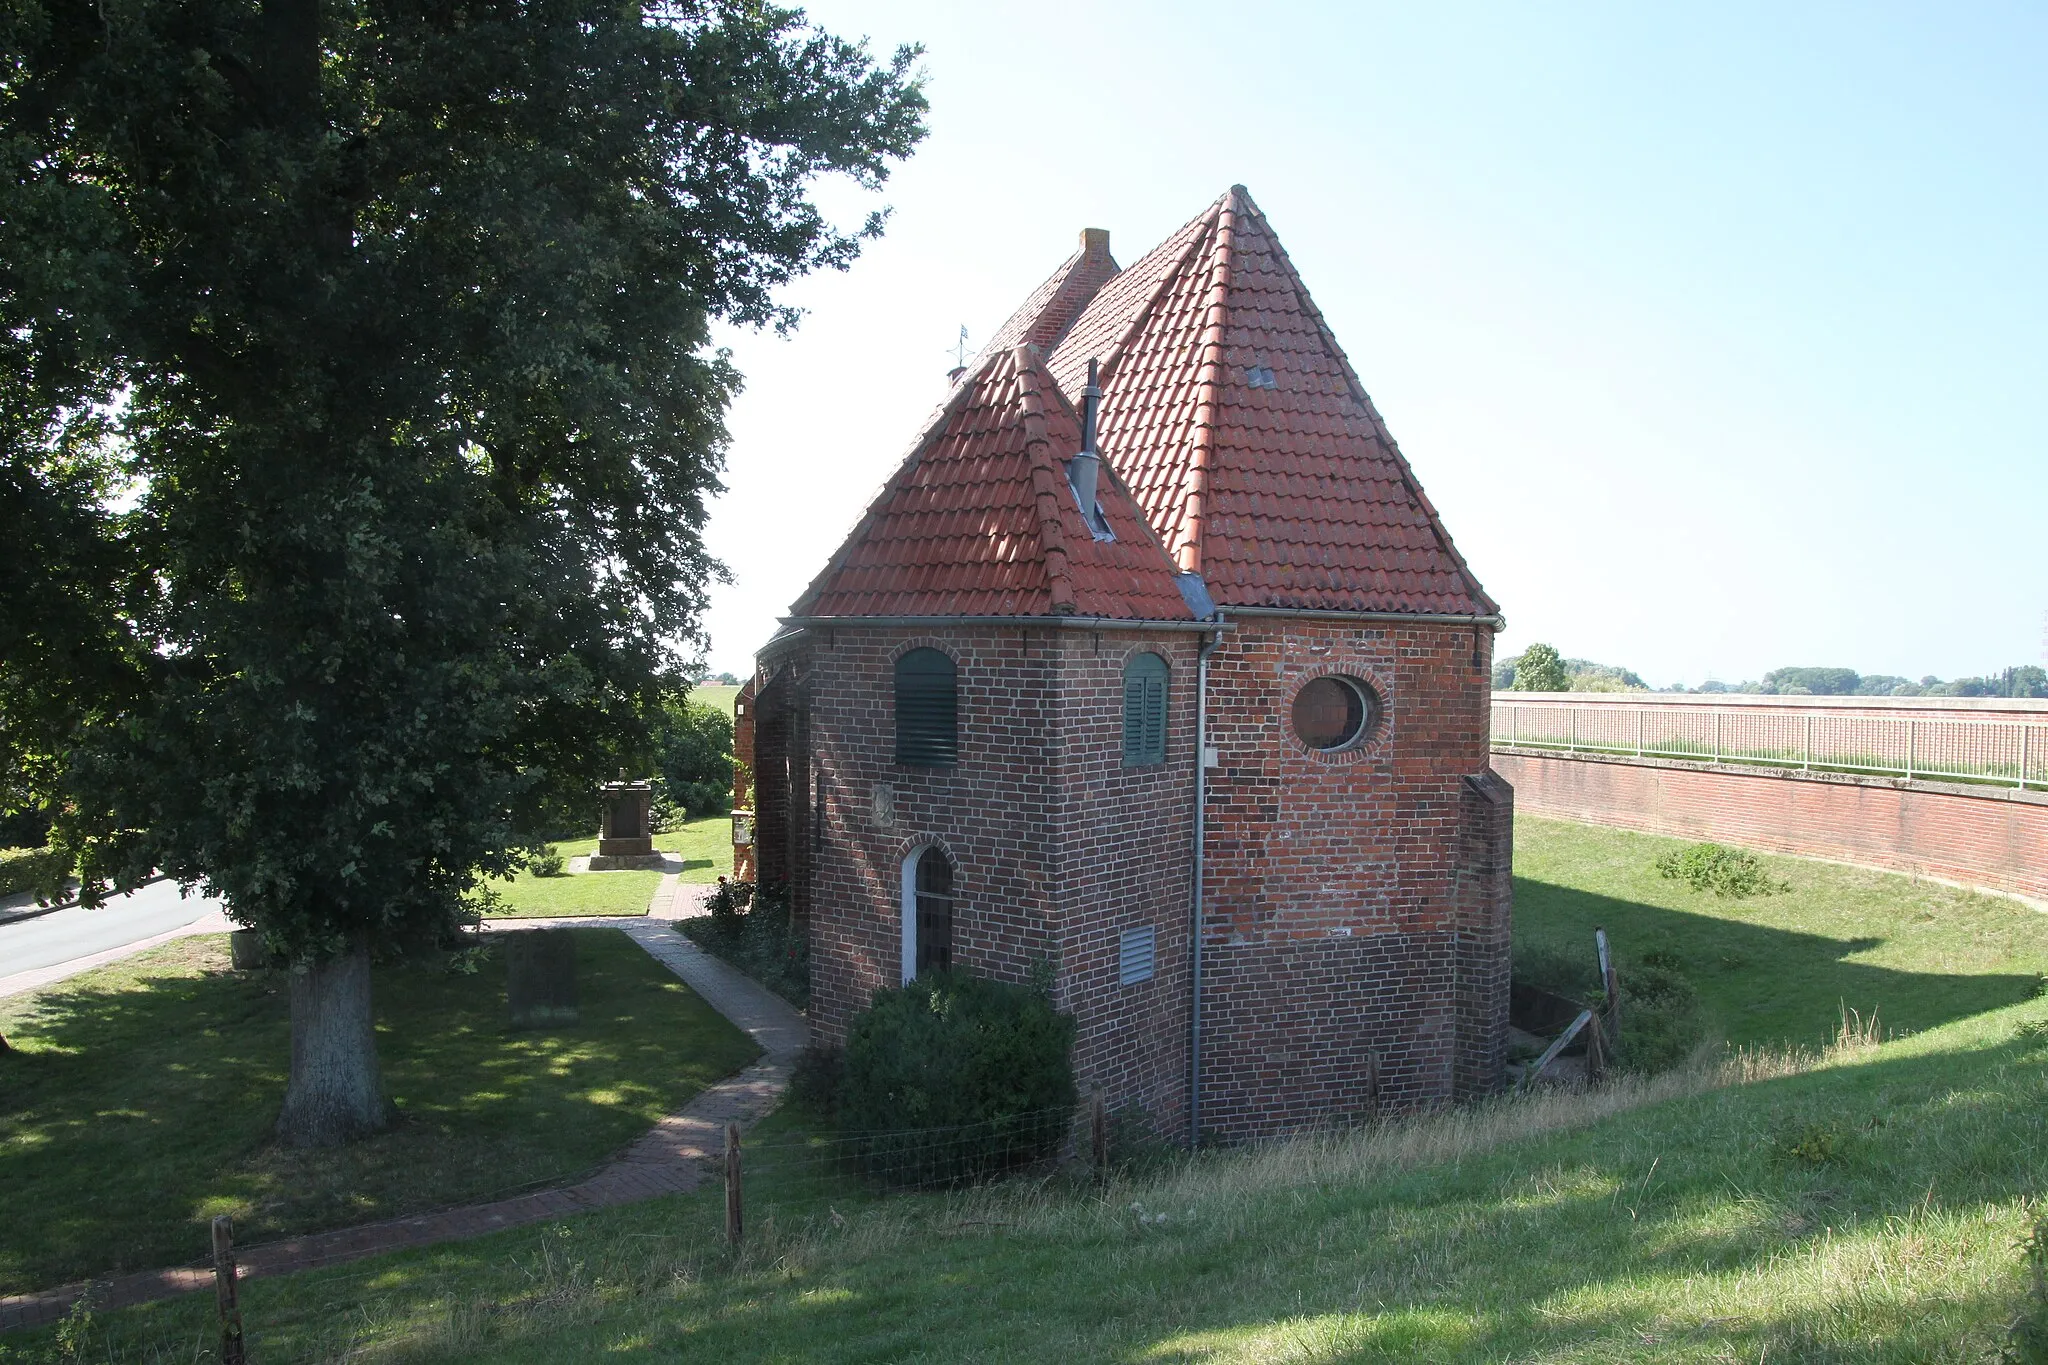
1241	428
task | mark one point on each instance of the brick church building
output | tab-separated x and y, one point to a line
1152	662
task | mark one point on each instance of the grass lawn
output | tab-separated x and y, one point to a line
1779	968
1858	1205
715	694
705	846
141	1098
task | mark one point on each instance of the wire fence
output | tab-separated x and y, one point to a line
2011	753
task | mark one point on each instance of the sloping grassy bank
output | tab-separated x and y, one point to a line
1864	1205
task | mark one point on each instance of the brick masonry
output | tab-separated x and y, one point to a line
1357	903
1988	837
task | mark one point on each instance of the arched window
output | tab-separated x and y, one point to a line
927	710
927	912
1144	711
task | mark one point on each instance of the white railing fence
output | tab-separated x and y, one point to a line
2012	753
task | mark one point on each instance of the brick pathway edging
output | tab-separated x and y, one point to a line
670	1158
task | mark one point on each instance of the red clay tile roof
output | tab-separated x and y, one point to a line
1284	492
1053	306
979	520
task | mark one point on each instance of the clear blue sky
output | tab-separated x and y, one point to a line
1718	334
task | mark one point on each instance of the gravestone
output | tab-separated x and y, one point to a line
245	950
626	838
540	978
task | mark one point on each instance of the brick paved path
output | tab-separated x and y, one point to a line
670	1158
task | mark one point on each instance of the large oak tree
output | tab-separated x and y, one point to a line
359	417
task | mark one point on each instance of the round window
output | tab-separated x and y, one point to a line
1334	713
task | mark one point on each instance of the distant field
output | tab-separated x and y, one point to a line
715	694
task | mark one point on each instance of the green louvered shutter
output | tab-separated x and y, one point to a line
1144	711
927	710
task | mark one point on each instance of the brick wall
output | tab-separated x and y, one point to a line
1334	880
1995	838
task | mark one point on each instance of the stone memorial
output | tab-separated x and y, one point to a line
626	838
540	978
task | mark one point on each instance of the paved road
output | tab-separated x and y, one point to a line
63	935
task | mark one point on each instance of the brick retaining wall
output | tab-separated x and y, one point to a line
1990	837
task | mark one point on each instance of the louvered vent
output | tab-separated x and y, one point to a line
927	710
1144	711
1135	953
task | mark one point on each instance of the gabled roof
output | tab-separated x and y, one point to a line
979	520
1053	306
1241	429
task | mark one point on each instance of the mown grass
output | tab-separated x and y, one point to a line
139	1100
1778	969
705	846
715	694
1665	1220
1858	1204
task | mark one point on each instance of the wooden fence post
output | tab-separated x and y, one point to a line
733	1225
231	1349
1609	984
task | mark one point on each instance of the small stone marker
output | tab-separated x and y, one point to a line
245	950
540	978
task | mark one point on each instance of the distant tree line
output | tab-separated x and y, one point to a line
1540	668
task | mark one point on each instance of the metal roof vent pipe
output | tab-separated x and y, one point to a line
1085	469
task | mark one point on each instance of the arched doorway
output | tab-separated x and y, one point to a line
927	912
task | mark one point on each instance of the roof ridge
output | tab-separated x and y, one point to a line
1166	278
934	427
1380	430
1045	479
1208	382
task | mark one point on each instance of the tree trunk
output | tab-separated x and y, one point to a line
336	1092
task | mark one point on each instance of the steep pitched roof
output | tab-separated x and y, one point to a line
1241	429
979	520
1053	306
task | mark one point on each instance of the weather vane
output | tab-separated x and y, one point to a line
959	349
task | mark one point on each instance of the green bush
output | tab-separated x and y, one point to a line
818	1080
1660	1018
1727	872
756	933
955	1078
547	863
1575	975
41	870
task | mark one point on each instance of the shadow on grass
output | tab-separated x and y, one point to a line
141	1101
1761	984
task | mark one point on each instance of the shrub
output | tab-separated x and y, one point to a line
41	870
818	1080
954	1078
547	863
1727	872
1660	1018
2027	1335
756	933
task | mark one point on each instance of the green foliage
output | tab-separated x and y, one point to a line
41	870
818	1079
1820	682
693	759
547	863
1541	669
984	1062
1661	1021
1814	1142
395	319
755	932
1584	675
2027	1337
1553	967
1733	873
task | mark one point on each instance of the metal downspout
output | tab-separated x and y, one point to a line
1209	647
